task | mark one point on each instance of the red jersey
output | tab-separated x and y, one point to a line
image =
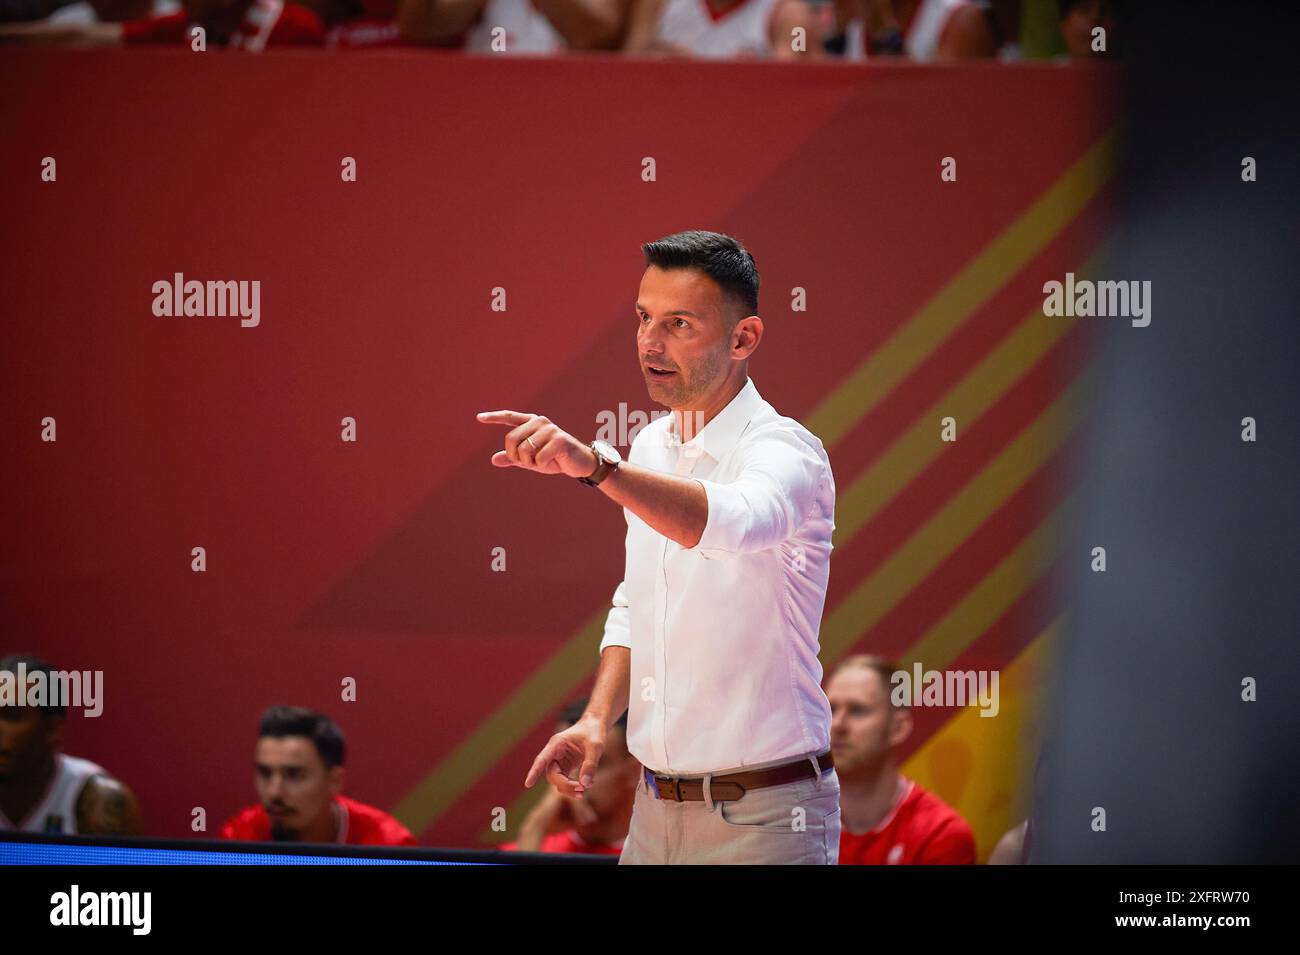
572	842
921	829
265	23
361	825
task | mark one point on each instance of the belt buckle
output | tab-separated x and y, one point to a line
675	791
652	782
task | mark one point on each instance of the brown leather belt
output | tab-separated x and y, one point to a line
733	785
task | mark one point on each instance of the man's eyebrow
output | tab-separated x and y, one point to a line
677	311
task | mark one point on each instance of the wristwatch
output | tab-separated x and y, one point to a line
607	460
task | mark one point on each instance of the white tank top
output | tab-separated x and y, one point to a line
57	811
744	28
527	29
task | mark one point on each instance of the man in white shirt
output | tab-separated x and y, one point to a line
711	644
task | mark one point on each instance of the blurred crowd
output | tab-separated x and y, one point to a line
822	30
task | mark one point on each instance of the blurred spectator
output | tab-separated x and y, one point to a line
299	779
1079	18
720	29
43	790
922	30
597	822
354	24
250	25
886	818
516	26
1004	15
841	27
111	11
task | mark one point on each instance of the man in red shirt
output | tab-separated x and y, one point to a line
299	759
885	818
596	822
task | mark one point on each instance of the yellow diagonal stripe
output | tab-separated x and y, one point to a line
916	448
921	553
974	285
988	600
554	680
575	660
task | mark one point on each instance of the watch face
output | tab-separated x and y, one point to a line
607	452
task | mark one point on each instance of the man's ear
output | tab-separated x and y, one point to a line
335	777
746	336
900	727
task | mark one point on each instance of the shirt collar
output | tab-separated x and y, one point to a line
342	837
719	436
904	790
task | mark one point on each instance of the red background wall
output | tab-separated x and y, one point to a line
372	560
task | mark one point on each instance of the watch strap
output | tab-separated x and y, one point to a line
603	468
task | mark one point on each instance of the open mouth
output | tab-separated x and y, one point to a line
658	372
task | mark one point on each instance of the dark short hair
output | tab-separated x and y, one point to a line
32	664
573	712
718	256
280	721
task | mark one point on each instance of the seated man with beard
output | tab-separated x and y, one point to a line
299	779
887	819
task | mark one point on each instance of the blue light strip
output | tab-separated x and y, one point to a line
31	853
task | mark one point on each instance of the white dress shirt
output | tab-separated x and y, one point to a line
724	635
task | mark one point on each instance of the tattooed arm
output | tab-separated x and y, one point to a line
107	808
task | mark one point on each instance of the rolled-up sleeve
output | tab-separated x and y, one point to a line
618	628
775	492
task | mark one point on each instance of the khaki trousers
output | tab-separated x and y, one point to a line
794	823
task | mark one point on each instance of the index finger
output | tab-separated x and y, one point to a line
539	765
503	417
